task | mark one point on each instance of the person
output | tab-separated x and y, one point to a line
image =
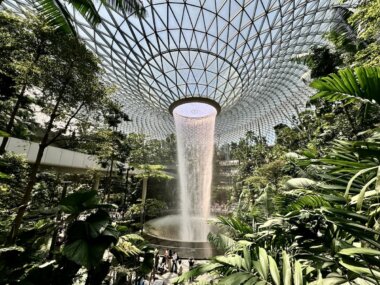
170	253
191	266
166	255
191	263
180	269
174	266
170	263
156	258
161	268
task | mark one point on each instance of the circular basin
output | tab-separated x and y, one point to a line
165	233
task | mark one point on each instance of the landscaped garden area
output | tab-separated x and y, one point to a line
134	174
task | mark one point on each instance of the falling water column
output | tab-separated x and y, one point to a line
195	126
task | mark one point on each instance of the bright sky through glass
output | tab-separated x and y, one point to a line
195	110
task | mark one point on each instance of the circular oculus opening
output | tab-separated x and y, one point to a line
194	108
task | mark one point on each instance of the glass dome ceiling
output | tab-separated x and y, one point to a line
238	53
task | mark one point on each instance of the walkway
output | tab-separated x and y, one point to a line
58	158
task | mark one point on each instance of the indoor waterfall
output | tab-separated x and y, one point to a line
195	125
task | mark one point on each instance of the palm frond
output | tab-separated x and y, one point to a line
234	224
350	85
56	14
308	202
87	9
221	241
130	6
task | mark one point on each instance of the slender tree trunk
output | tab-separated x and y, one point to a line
11	121
110	180
27	197
11	239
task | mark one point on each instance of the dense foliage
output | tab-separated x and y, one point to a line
54	224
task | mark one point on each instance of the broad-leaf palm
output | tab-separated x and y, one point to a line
56	12
251	266
349	85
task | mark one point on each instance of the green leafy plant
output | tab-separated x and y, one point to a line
349	85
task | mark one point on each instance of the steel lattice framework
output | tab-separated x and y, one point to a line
238	53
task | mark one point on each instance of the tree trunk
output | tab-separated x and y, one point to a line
11	239
11	121
110	180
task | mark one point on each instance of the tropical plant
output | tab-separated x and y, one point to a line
134	257
23	43
252	266
69	79
57	12
350	85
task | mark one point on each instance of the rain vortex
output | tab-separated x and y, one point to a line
195	126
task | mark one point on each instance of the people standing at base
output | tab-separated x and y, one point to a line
162	267
174	265
191	266
156	258
166	255
170	264
180	268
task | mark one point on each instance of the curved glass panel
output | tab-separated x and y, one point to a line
237	53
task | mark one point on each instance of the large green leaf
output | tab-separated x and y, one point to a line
297	277
263	258
78	202
274	270
87	240
56	13
360	251
361	172
247	259
130	6
350	85
97	223
286	269
232	260
359	269
235	224
237	278
4	134
221	241
84	253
